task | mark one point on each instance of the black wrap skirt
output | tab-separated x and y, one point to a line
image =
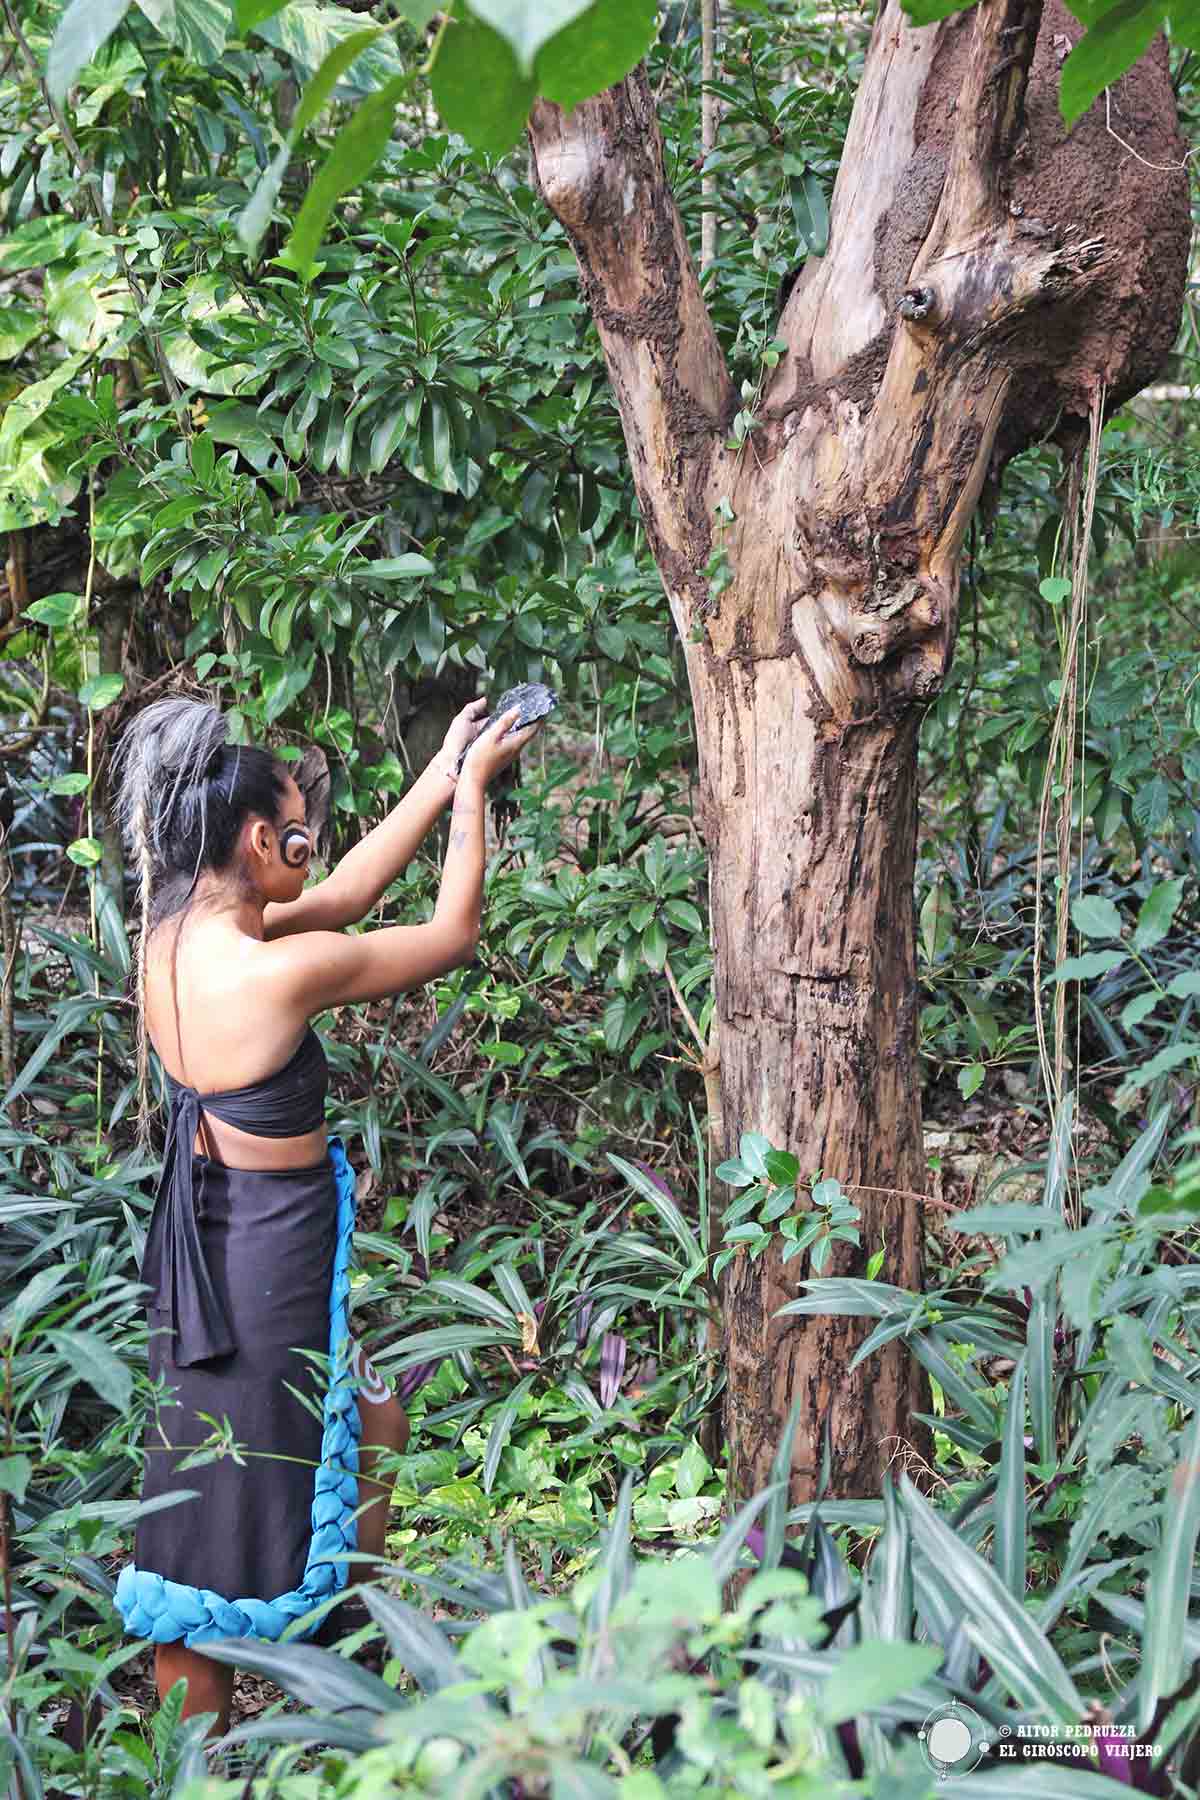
271	1238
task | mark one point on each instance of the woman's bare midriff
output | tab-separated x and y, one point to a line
224	1143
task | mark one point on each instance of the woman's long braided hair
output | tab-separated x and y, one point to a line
181	794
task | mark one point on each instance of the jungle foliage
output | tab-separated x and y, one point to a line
335	484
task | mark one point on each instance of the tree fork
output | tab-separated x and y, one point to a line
960	314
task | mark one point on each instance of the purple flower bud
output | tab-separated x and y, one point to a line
654	1176
612	1365
756	1542
414	1378
1113	1758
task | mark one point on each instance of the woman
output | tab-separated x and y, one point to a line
248	1244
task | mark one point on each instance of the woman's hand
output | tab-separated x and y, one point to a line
494	751
464	729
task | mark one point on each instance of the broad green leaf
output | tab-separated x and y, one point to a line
1173	1057
1157	911
971	1079
1087	966
86	851
202	28
810	211
94	1361
989	1611
84	26
55	610
663	1205
16	1472
395	568
502	1430
316	94
40	241
19	325
354	153
308	30
101	691
872	1673
1095	916
500	1129
251	13
525	25
256	215
1108	48
478	87
1168	1589
595	51
1139	1008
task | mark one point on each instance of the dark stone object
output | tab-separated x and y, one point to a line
535	701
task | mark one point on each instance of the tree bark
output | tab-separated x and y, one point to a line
985	273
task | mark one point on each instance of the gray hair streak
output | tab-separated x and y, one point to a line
159	762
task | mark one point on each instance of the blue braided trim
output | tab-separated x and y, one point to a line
166	1611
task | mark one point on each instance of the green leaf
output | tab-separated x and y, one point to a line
663	1205
970	1079
1110	47
1139	1008
395	568
101	691
1173	1057
254	12
654	945
96	1363
202	28
500	1129
256	214
1055	589
1157	912
16	1472
84	26
872	1673
994	1618
1091	963
502	1430
55	610
339	59
595	51
19	325
1009	1508
354	152
809	211
86	851
1095	916
478	87
1168	1589
525	25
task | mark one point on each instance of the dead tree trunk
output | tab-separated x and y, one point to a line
986	272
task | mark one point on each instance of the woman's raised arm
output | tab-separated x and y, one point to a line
323	967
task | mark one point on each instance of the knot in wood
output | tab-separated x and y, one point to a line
916	304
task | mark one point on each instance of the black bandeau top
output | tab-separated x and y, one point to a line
288	1103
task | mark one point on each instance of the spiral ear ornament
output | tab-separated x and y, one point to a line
295	847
